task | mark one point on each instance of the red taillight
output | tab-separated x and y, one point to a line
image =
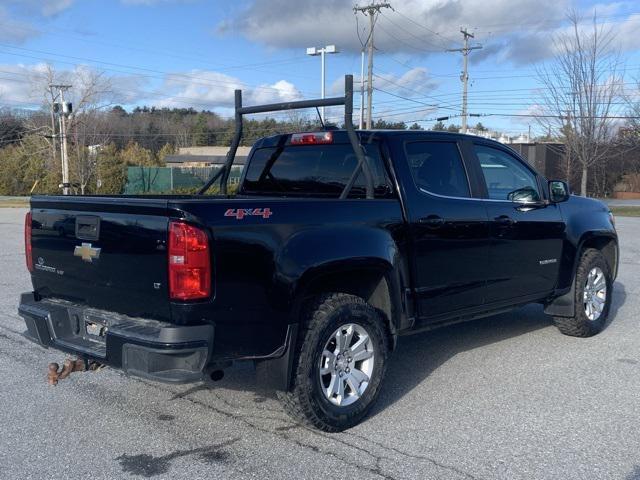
311	138
189	262
28	251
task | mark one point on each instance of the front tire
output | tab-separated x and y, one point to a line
593	294
340	363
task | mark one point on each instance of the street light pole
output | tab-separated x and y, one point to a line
314	52
322	52
362	89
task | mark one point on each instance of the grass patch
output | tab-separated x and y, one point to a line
14	203
625	211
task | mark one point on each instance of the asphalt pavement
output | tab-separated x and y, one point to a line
506	397
613	202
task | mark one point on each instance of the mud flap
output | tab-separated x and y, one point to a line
276	373
564	305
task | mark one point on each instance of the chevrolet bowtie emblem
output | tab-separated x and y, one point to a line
87	252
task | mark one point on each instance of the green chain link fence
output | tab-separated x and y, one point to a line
142	180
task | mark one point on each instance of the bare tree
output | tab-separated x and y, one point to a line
632	99
581	86
92	92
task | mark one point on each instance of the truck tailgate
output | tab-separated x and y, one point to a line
103	252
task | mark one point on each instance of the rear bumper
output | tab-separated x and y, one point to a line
145	348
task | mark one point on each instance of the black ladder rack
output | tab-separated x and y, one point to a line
346	100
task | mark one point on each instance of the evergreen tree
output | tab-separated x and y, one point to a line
111	171
200	131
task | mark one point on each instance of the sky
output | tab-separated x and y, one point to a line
194	53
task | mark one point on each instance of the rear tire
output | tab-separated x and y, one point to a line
331	391
592	297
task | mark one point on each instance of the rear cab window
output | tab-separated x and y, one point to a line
313	170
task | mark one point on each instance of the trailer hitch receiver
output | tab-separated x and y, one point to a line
55	374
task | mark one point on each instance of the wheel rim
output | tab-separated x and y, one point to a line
595	293
346	365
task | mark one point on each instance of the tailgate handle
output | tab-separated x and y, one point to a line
87	227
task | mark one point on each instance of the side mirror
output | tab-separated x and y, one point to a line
558	191
524	195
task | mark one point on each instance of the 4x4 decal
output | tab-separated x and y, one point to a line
240	213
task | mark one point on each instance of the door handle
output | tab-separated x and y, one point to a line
504	221
432	221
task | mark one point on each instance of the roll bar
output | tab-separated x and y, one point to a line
346	100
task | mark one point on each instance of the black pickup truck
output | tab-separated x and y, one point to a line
336	243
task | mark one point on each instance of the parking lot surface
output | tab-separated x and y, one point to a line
504	397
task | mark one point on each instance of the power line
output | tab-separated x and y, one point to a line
438	47
536	25
421	94
172	75
430	105
165	53
424	27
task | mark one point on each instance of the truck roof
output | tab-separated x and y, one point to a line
340	135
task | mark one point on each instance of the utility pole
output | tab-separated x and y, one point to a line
465	75
53	127
371	10
63	109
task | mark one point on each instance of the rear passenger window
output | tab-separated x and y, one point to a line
437	168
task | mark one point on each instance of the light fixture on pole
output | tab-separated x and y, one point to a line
314	52
63	110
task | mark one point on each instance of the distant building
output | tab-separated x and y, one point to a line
205	157
546	157
499	136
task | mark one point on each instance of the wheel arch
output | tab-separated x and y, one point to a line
373	279
604	241
607	243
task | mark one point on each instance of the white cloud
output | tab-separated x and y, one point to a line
25	85
22	84
299	23
412	83
45	8
53	7
19	84
208	89
520	31
17	16
150	2
14	31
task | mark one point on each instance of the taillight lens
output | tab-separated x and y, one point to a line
28	251
189	262
312	138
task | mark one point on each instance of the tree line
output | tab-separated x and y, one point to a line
577	107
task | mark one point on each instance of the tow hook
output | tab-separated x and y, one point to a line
70	365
